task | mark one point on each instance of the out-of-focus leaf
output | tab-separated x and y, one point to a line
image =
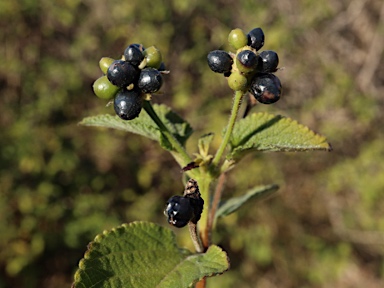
233	204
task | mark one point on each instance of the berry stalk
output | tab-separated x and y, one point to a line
231	123
181	156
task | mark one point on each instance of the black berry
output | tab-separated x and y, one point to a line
128	104
268	62
179	211
150	80
220	61
133	54
256	38
122	73
266	88
246	61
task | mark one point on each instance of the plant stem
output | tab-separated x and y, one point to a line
204	180
181	155
231	123
215	203
195	237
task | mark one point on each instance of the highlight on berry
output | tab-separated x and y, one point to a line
129	80
180	210
247	69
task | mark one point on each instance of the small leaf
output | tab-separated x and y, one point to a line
267	132
145	126
142	254
204	143
233	204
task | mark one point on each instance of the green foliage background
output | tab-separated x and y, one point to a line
61	184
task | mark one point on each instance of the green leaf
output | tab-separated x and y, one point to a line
267	132
204	143
142	254
233	204
145	126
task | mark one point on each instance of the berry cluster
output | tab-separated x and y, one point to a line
129	79
247	69
187	208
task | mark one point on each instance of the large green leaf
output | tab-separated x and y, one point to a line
145	126
233	204
267	132
144	255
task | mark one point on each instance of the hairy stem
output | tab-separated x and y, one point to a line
195	237
215	203
231	123
179	153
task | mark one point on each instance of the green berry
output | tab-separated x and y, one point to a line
237	38
104	89
237	82
153	57
104	64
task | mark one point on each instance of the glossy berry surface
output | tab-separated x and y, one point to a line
150	80
122	73
256	38
104	89
266	88
197	205
179	211
219	61
246	61
133	54
128	104
268	61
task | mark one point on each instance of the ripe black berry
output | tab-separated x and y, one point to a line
133	54
246	61
266	88
220	61
150	80
269	60
128	104
256	38
122	73
179	211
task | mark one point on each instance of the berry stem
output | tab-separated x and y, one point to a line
195	237
231	123
181	155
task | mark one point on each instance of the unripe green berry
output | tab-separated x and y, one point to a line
104	64
153	57
104	89
237	38
237	82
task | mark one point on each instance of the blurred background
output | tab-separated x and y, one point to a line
61	183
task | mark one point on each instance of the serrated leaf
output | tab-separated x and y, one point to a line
142	254
145	126
267	132
233	204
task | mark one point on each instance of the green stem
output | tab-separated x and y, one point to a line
231	123
181	155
